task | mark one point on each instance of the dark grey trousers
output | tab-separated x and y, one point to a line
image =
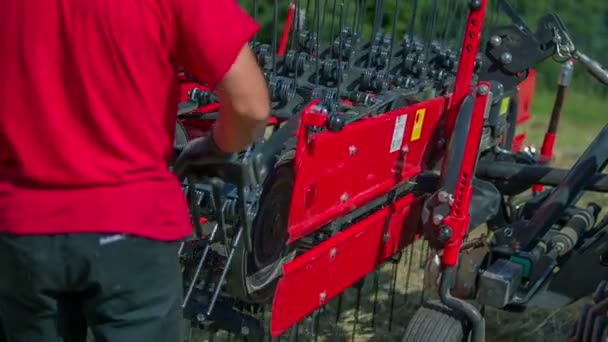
123	288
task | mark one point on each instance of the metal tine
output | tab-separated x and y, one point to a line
325	2
379	17
200	266
216	293
410	260
295	30
315	325
412	27
339	307
423	260
293	333
347	13
362	11
275	34
255	17
357	306
449	17
430	31
340	43
356	16
392	294
371	39
191	333
294	39
318	49
376	289
333	21
462	23
389	65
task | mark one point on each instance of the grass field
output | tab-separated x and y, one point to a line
583	117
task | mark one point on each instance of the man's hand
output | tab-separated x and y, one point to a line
197	153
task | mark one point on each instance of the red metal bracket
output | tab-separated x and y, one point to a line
458	219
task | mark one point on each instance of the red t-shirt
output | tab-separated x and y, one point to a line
88	101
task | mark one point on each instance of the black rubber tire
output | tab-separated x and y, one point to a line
434	322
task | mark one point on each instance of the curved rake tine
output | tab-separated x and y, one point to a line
362	11
424	259
410	260
412	28
389	65
317	49
324	13
191	333
275	34
255	17
340	43
392	295
430	30
357	305
293	333
339	308
315	325
376	288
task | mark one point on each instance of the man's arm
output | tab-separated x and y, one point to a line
245	104
212	45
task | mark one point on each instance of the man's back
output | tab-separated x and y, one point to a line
88	94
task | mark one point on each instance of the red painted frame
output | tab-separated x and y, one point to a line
337	172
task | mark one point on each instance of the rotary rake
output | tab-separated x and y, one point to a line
395	139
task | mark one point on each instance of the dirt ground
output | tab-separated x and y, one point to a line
533	325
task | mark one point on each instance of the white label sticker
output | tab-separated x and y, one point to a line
398	133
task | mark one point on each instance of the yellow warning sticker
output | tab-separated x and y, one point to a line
504	106
418	122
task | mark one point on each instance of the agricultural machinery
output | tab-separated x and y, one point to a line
389	130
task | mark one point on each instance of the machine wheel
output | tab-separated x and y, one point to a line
436	322
269	238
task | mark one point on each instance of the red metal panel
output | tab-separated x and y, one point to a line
459	218
518	142
526	95
466	65
319	275
339	171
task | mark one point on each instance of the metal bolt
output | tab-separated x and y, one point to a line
451	200
437	219
344	197
200	318
386	237
352	150
245	330
405	149
332	253
320	109
443	196
322	297
475	5
508	232
495	41
445	234
484	89
506	58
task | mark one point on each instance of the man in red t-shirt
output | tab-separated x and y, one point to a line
90	213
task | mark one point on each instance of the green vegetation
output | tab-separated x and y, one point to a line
587	21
